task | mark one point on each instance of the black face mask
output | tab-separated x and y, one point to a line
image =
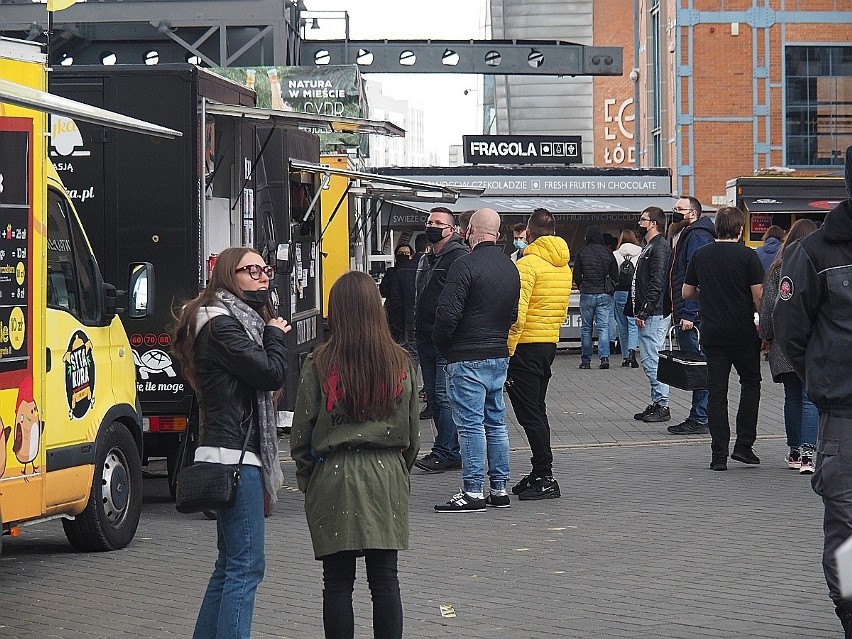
641	231
434	234
402	258
256	299
677	217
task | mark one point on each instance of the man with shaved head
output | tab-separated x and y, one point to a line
477	307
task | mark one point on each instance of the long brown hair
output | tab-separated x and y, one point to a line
223	278
626	236
360	347
801	228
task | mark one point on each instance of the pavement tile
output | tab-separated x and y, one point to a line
645	542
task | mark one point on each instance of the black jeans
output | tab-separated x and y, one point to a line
526	383
338	574
745	358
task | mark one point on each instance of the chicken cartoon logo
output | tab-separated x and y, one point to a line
28	427
4	437
79	375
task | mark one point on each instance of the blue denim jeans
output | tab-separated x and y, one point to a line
801	417
628	334
228	605
433	366
688	343
651	339
595	309
476	395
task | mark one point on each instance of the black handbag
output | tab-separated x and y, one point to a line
208	485
686	371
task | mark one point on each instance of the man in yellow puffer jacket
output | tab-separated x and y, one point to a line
543	306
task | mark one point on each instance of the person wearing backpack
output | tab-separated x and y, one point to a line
628	335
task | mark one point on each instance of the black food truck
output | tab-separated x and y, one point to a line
178	203
780	200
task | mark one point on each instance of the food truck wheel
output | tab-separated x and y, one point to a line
115	502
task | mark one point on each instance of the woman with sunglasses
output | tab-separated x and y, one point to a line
231	349
355	436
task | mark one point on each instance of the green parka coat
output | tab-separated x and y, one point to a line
354	476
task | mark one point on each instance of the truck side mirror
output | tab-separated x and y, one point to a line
140	290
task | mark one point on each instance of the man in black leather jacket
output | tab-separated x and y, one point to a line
447	247
813	324
476	309
646	303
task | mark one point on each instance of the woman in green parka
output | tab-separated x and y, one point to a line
355	436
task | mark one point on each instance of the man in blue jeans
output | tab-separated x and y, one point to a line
475	311
645	303
686	313
447	247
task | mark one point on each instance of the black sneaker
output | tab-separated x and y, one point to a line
521	486
461	502
650	408
659	414
745	455
689	427
625	363
498	500
541	488
453	464
585	366
719	464
604	363
426	413
431	463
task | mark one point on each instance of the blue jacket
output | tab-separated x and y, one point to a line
692	238
768	252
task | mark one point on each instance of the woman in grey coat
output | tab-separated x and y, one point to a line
801	418
355	436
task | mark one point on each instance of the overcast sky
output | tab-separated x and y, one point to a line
449	113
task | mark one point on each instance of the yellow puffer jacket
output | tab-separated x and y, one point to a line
545	289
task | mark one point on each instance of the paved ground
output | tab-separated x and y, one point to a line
645	542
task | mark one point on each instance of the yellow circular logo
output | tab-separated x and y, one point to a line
20	273
17	328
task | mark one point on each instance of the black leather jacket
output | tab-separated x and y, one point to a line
431	277
646	297
230	367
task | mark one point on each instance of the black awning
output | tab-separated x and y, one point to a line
789	204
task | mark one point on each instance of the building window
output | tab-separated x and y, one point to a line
656	87
819	104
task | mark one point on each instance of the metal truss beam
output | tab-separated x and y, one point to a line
489	57
219	32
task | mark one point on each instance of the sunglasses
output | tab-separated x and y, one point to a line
254	271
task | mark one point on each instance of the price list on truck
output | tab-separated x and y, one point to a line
15	241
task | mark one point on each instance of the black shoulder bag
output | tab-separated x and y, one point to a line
209	485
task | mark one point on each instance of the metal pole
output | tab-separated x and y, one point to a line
636	119
346	37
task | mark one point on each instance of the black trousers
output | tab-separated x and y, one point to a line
745	358
832	481
526	383
338	575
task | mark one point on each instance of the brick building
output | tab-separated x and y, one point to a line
734	87
725	87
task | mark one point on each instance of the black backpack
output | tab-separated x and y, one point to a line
625	274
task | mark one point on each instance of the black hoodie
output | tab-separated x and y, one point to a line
813	315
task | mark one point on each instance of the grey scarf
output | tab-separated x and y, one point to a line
267	416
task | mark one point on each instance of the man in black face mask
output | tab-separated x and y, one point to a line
685	313
645	303
447	247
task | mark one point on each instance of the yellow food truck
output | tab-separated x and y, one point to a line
70	424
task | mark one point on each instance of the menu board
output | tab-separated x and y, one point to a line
15	242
